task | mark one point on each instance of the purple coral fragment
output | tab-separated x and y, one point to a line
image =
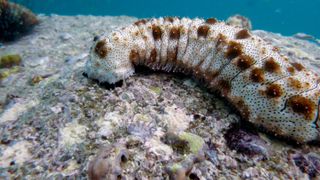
245	142
309	163
211	153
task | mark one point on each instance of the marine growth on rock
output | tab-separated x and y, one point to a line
265	87
15	20
7	61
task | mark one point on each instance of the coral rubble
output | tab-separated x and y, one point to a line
15	20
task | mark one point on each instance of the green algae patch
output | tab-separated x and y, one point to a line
176	167
184	142
7	72
195	142
156	90
10	60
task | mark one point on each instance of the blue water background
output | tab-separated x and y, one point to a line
282	16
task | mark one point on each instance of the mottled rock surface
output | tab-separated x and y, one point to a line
54	122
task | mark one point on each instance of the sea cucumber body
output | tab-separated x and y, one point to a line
263	85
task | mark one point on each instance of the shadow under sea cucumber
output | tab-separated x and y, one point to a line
264	86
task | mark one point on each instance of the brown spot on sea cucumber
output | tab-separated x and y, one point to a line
274	91
156	32
243	108
244	62
134	56
257	75
291	70
175	33
272	66
172	55
243	34
302	105
221	40
153	55
136	33
297	66
197	72
294	83
234	50
116	38
169	19
285	59
210	75
145	38
139	22
211	21
203	31
275	49
101	49
225	87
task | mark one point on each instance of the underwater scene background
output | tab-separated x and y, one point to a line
284	16
60	118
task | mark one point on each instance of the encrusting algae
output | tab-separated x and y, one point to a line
9	64
10	60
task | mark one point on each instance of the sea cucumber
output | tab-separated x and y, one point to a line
264	86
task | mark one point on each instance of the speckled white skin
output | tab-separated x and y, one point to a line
264	86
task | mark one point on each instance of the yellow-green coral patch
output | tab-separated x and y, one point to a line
10	60
195	142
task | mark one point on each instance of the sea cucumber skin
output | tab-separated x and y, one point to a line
266	89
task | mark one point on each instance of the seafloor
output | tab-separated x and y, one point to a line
54	121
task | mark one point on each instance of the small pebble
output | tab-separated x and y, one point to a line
230	162
39	61
250	173
74	59
36	79
65	36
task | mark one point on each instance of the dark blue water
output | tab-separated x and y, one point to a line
283	16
